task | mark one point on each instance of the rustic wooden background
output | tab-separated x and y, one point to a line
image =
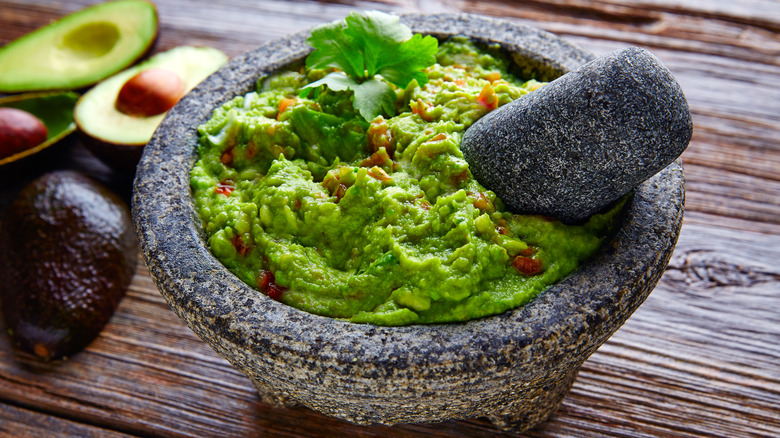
701	358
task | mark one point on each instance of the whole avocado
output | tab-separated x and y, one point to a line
68	253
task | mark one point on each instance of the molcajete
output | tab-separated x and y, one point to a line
514	368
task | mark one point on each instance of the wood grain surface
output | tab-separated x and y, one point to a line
701	357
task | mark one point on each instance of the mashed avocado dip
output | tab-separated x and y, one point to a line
377	222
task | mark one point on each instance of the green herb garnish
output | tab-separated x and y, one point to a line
370	50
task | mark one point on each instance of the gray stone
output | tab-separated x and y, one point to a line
578	144
514	368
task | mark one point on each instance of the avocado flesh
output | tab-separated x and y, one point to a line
54	109
96	113
80	49
67	253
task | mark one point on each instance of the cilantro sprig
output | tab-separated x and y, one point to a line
370	50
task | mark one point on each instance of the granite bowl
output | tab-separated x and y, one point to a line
513	368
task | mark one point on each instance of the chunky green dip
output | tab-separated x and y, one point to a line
377	222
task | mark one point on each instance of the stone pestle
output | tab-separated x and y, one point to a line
584	140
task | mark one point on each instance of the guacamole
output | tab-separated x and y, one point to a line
377	222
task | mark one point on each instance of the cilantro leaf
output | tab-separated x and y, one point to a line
412	56
378	37
372	97
334	49
335	81
364	46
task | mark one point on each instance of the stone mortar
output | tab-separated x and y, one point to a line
514	368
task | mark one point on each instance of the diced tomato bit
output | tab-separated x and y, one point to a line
240	246
224	187
284	103
227	157
376	159
420	108
378	173
267	285
460	82
528	252
380	135
482	202
493	76
277	150
488	98
460	177
297	204
340	191
416	106
526	265
251	149
425	205
330	184
502	227
439	137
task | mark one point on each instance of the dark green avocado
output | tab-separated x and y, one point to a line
67	253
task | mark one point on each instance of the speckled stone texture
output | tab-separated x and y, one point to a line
578	144
514	368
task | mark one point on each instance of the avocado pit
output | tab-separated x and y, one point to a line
19	131
118	116
150	92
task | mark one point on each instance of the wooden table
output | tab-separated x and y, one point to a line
700	358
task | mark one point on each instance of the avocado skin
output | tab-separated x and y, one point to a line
68	249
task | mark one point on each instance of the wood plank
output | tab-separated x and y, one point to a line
732	194
20	422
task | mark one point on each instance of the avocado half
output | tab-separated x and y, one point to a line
79	49
118	138
53	109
